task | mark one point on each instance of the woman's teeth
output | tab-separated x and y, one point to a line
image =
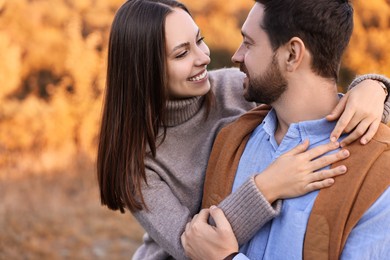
199	77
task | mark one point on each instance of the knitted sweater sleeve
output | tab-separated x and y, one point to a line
164	220
386	81
247	210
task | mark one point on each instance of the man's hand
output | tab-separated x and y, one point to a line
203	241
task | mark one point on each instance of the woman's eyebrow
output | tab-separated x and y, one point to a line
184	44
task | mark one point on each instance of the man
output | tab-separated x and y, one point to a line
291	54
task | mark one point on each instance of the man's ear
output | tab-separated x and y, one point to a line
294	52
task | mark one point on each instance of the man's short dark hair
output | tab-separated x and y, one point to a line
325	26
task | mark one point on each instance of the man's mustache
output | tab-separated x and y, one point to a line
243	68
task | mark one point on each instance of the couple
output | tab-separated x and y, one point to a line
163	110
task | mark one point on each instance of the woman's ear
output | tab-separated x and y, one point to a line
295	52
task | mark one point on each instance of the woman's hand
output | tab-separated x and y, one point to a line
295	173
359	112
203	241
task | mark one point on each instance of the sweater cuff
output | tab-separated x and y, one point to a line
248	210
384	80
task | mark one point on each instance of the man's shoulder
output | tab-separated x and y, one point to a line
247	122
380	144
383	135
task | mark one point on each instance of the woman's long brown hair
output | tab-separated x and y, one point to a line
135	101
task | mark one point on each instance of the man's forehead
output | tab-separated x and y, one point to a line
252	23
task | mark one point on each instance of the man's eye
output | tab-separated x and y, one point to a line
247	44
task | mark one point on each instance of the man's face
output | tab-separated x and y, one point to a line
265	82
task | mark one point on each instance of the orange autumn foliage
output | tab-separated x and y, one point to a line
53	61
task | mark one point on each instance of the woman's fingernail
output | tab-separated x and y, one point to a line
333	139
364	141
346	153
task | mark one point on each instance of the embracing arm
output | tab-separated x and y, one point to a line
386	83
165	217
292	174
361	109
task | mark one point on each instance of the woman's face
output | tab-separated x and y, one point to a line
187	57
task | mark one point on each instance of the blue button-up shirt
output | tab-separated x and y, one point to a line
282	238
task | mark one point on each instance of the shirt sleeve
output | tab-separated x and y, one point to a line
370	238
384	80
247	210
165	217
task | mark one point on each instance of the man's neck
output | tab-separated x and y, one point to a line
310	100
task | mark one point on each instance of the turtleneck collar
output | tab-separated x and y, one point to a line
179	111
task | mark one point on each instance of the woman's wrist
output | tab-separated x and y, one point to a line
266	188
383	86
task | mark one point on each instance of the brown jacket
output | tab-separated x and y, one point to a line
336	209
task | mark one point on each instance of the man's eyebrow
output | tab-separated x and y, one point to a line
245	35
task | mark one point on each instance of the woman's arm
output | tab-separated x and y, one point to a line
292	174
360	111
164	218
378	78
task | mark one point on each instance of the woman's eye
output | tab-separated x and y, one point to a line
201	39
181	55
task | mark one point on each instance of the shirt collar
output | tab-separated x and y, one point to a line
314	130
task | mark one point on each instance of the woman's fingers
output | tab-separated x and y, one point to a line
339	109
298	149
328	159
370	132
356	133
366	129
324	178
320	150
344	119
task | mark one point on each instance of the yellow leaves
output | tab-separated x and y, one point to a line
219	21
228	39
373	13
54	55
10	65
66	41
21	124
82	60
81	5
368	50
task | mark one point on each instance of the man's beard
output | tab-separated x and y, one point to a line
265	88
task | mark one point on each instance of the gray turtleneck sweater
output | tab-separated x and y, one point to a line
175	176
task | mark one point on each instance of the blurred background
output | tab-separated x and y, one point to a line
52	77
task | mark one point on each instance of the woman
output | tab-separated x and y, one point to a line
162	111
